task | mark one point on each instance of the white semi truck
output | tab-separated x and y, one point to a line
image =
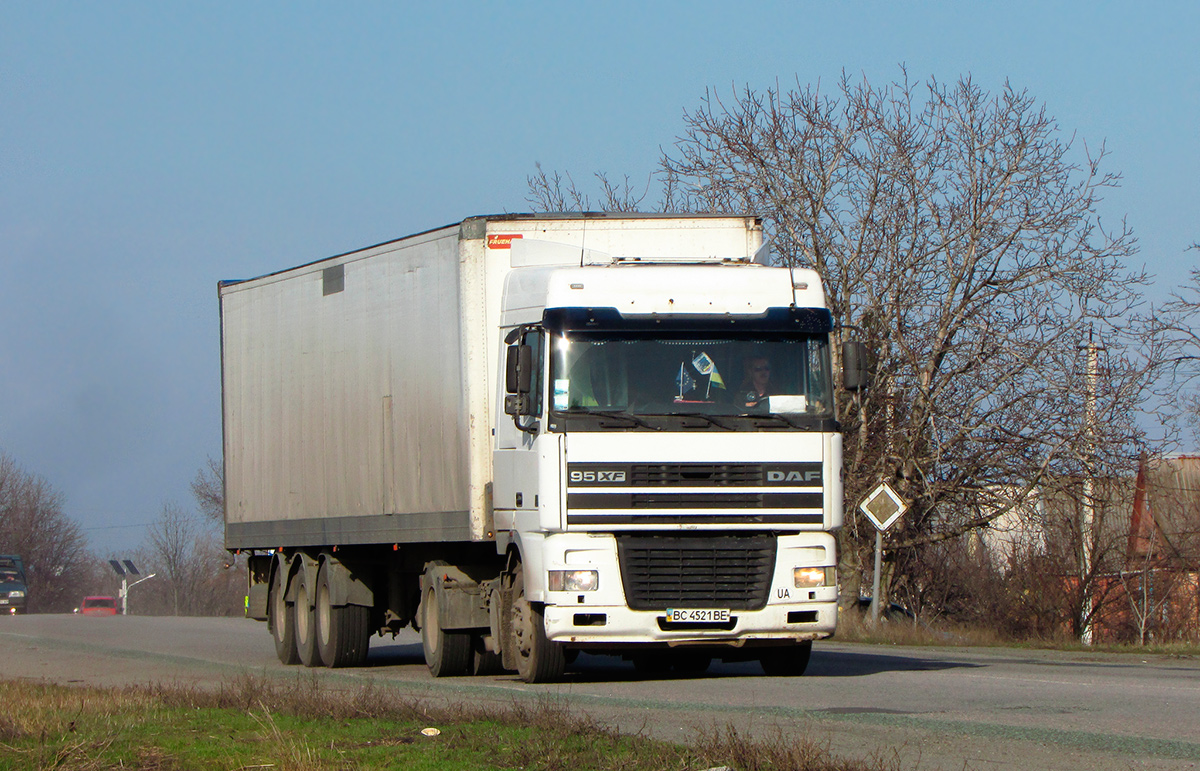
533	435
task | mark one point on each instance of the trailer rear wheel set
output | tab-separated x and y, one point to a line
308	628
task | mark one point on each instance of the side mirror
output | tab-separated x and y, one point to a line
518	369
516	405
855	373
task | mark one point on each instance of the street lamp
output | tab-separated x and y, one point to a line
124	571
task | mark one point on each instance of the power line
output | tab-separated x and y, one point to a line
142	524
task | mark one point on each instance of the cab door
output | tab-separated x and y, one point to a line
515	457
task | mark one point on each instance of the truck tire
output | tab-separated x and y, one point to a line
343	636
539	660
786	661
306	623
283	620
447	654
483	661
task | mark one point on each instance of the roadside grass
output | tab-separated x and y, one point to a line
304	725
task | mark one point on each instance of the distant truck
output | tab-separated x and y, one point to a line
14	593
533	435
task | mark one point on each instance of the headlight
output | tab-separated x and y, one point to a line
574	580
807	578
16	594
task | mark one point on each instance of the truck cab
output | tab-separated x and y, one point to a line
670	469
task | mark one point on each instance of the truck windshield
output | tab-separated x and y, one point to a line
787	375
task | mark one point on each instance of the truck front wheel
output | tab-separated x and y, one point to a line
447	654
343	636
283	620
539	660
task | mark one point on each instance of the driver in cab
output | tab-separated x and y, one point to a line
756	385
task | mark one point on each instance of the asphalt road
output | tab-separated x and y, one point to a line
931	708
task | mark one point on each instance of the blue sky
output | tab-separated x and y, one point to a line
148	150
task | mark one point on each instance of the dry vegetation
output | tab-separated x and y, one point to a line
252	722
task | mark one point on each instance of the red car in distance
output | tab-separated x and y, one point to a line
98	606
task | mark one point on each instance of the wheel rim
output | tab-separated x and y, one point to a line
324	614
278	611
302	613
431	622
521	631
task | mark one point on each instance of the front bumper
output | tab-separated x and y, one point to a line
601	625
603	617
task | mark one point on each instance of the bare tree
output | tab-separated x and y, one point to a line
52	546
175	543
959	232
553	192
199	576
1179	318
1149	591
226	587
208	488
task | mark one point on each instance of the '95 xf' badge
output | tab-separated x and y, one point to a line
596	477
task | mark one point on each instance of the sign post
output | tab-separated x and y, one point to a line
883	506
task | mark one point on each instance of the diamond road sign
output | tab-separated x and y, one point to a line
883	506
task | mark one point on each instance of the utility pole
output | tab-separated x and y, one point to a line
1087	535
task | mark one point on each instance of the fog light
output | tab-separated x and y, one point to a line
574	580
807	578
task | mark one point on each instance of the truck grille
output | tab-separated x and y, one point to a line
661	571
656	494
695	474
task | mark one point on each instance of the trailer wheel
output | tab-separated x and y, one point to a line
447	654
787	661
282	621
343	636
539	660
306	623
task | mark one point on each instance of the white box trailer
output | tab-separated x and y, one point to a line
450	431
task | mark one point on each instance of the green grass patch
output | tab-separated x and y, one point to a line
256	723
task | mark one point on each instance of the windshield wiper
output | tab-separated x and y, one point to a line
774	416
705	417
622	415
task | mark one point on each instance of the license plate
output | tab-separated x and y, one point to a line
697	615
4	602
